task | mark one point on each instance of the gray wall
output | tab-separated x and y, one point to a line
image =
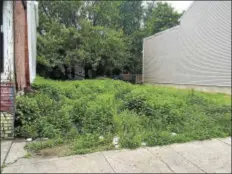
197	52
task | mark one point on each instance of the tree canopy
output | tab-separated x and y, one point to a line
98	35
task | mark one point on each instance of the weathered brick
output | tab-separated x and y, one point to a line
7	131
9	118
6	125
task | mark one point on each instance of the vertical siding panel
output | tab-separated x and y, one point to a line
8	52
32	21
197	52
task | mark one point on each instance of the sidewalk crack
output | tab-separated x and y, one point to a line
223	142
188	160
7	164
161	160
108	162
4	160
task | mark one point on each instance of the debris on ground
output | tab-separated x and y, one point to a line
101	137
115	142
29	139
173	134
143	144
41	139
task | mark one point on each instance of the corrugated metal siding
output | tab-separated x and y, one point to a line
198	52
8	74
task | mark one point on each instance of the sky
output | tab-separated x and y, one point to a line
180	5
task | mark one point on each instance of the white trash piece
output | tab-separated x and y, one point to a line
29	139
174	134
101	137
143	144
115	140
41	139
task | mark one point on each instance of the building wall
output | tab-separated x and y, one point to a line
32	19
7	86
17	66
8	65
21	51
197	52
160	56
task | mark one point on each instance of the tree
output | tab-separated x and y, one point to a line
98	35
162	17
63	43
131	14
104	13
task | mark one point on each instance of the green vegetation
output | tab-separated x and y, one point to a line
102	36
77	113
27	155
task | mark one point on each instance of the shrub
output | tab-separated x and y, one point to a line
39	115
78	112
129	129
138	102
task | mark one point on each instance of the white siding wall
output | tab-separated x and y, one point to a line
32	19
157	53
8	65
197	52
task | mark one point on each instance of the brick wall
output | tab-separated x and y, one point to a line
7	127
7	109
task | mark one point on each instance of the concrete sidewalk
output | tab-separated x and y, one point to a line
5	147
210	156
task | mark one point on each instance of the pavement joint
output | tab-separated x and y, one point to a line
108	162
197	157
223	142
189	161
161	160
8	151
7	164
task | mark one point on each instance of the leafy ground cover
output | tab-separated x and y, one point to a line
85	116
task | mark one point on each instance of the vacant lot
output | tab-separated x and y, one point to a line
85	116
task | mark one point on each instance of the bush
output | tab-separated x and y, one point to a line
93	117
39	115
138	101
129	129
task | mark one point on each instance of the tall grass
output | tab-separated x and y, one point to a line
78	112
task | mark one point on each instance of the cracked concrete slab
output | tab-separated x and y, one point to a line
138	161
16	152
226	140
211	156
176	162
91	163
5	147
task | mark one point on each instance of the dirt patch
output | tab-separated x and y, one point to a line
59	151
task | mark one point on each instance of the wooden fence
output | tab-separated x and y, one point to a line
133	78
